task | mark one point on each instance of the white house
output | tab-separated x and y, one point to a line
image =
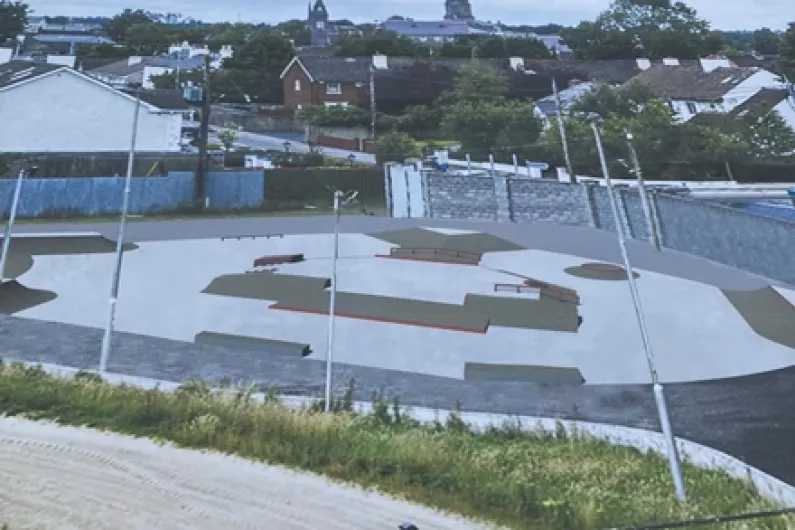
122	73
186	51
53	108
710	85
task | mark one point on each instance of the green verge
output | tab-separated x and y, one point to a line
538	480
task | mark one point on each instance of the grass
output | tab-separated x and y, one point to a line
187	216
537	480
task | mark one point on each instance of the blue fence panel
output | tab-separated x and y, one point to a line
236	189
83	196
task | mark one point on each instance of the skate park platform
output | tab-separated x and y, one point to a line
700	329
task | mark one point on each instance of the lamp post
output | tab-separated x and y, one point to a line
659	396
287	144
644	195
352	159
12	216
341	199
125	206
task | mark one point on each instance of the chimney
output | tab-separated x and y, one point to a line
517	63
6	54
643	64
671	62
380	62
135	59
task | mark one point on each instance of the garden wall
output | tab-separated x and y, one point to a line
86	196
745	240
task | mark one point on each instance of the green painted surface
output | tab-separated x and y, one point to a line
596	274
266	286
548	315
224	339
15	297
420	238
767	312
517	373
62	246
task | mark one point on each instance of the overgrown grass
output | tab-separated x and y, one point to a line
539	481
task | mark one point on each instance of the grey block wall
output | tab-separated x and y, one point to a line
736	238
462	197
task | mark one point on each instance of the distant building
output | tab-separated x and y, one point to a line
429	32
458	10
322	29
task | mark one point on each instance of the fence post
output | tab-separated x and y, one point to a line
515	165
491	164
469	165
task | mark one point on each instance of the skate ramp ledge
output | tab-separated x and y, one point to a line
15	297
600	271
517	373
266	286
767	312
525	313
240	341
60	245
278	259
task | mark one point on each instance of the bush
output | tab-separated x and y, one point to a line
539	480
322	116
395	147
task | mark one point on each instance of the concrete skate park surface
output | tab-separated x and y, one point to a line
155	486
706	347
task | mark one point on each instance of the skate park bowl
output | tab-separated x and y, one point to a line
600	271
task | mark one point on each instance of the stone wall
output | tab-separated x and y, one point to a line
748	241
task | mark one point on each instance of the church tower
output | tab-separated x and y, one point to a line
317	21
458	10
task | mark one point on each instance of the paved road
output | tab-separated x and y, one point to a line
749	417
262	141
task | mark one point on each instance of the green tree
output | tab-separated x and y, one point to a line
13	19
256	67
766	42
169	80
296	31
148	38
478	114
395	147
382	42
644	28
420	121
607	101
118	27
227	137
787	52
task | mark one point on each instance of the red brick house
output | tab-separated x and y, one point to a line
330	81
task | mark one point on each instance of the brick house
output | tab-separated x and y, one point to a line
329	81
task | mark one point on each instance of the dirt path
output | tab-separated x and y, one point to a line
65	478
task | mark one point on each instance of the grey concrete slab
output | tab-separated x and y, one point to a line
15	297
600	271
61	246
266	286
588	243
767	312
544	314
268	346
518	373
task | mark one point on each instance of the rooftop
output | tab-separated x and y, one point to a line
337	69
121	67
164	99
691	82
15	72
441	28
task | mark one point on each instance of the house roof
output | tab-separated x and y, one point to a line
15	72
440	28
71	39
162	98
757	106
692	82
90	63
121	67
336	69
188	63
567	97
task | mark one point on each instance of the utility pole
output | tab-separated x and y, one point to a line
654	234
372	102
204	133
125	208
562	128
12	216
659	396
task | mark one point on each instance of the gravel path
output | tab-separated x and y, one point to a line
67	478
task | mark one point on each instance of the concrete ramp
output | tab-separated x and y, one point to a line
15	297
544	314
63	245
268	346
518	373
767	312
267	286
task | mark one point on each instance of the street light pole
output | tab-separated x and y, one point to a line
644	195
340	200
125	206
12	216
659	396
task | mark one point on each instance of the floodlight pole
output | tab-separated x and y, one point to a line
332	298
125	207
659	396
12	216
644	195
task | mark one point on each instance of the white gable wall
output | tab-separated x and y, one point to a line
786	109
64	112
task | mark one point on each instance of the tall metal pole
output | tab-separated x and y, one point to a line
372	102
12	216
332	299
659	396
204	133
562	129
125	207
654	234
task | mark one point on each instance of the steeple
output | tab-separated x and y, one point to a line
458	10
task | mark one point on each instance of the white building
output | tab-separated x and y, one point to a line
711	85
53	108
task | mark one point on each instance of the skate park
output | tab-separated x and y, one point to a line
515	319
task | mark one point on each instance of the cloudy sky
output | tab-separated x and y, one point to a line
723	14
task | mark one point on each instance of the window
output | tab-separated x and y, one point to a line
320	25
342	104
333	89
691	107
297	85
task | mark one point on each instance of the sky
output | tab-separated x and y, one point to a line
722	14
